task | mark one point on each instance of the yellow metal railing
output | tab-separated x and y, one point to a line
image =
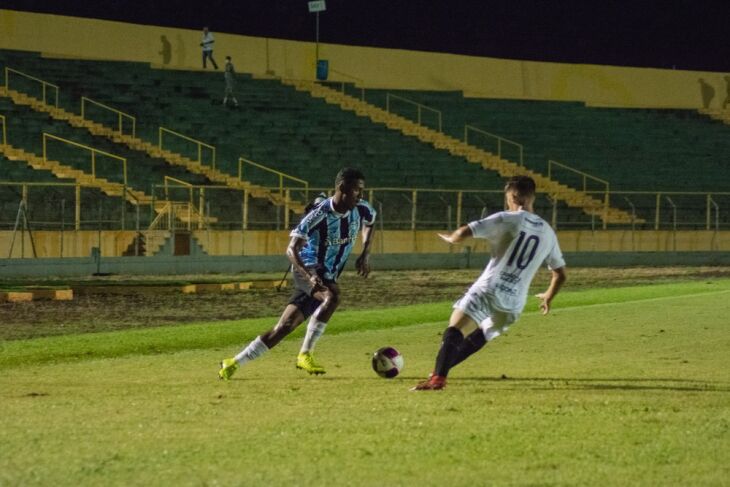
711	204
584	175
44	84
585	178
94	152
399	208
178	183
25	190
353	78
121	116
242	162
283	191
199	144
501	142
420	107
5	130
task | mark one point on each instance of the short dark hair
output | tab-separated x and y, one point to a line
524	186
348	175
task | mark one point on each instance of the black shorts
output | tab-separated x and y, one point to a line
302	295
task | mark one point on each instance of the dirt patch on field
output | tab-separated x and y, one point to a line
105	311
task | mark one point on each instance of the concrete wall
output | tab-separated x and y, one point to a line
374	67
262	242
164	265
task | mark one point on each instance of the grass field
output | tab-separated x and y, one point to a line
618	386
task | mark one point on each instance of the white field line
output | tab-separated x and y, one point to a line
630	301
555	309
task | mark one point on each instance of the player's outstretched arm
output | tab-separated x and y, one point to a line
556	282
362	264
461	233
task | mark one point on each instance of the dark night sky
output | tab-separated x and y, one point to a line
684	34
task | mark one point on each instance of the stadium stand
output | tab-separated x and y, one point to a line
275	125
634	149
299	135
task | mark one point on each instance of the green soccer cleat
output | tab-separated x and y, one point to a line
229	367
305	361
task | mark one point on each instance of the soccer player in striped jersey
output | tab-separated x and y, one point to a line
318	251
521	241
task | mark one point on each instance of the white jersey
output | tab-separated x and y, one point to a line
521	241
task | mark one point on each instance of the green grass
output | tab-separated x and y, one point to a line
621	386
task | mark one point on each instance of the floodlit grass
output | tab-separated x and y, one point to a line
623	386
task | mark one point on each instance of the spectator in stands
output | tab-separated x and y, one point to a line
707	92
230	76
207	45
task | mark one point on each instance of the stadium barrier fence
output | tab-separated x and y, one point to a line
224	218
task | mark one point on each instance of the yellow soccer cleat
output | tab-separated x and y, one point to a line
229	367
305	361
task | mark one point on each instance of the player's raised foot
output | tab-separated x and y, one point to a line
229	367
434	383
305	361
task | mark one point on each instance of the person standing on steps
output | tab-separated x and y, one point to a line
207	45
230	76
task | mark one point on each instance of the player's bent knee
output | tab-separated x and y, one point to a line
331	300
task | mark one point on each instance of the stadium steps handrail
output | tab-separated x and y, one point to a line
121	116
44	84
84	179
505	168
5	130
153	150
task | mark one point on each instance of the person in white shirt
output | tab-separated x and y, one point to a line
207	45
520	242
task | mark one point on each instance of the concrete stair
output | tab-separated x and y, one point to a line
154	240
570	196
183	211
153	150
66	172
715	114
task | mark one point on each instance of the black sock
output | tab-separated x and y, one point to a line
473	343
449	346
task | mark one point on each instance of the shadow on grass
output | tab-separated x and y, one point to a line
623	384
541	383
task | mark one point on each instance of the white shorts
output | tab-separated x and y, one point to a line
492	321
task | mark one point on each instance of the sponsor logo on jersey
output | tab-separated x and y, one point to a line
342	241
505	289
339	241
509	277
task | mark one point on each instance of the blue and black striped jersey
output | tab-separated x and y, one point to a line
331	236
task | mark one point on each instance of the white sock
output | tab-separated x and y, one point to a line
315	329
254	350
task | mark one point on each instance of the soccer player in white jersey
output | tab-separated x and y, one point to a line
318	251
521	241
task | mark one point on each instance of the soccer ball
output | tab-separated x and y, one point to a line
387	362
